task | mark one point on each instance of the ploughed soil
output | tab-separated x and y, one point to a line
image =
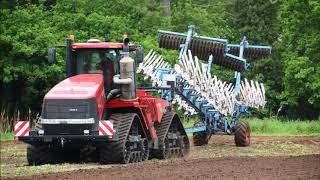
266	158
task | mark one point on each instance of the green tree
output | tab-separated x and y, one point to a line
300	22
257	19
25	75
30	27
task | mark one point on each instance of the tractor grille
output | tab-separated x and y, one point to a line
69	109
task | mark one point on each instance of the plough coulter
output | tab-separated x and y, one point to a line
190	85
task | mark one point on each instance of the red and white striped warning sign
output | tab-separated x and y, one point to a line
21	128
105	128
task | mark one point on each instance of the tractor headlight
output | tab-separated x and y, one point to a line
41	132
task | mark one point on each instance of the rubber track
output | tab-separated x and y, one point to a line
162	130
240	133
113	152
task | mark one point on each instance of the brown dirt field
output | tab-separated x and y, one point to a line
266	158
301	167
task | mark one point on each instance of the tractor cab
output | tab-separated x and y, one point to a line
96	57
98	61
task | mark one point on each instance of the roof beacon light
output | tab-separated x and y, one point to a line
93	41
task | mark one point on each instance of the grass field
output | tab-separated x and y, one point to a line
273	127
259	127
284	127
7	136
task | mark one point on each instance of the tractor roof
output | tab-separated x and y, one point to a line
101	45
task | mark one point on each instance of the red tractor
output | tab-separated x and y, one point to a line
97	113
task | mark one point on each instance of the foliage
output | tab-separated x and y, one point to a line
257	19
28	30
25	35
6	136
291	74
300	21
6	121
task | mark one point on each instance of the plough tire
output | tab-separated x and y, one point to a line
242	134
200	138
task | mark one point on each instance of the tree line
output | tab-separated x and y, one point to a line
292	27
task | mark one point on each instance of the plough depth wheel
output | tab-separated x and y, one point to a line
242	134
200	138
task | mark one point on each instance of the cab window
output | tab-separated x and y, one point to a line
94	62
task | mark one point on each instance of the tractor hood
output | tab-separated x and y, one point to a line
83	86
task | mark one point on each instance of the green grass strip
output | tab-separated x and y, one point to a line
259	127
7	136
273	127
284	127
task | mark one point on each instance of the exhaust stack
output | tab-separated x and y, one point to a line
126	78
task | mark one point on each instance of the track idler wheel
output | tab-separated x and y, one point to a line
200	138
242	134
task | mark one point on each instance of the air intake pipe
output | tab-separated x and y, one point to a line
126	78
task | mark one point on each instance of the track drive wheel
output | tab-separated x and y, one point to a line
39	154
200	138
242	134
173	140
132	145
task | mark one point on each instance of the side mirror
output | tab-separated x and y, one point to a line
139	54
52	55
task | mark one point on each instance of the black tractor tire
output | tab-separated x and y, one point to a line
89	154
39	154
71	155
242	134
200	138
